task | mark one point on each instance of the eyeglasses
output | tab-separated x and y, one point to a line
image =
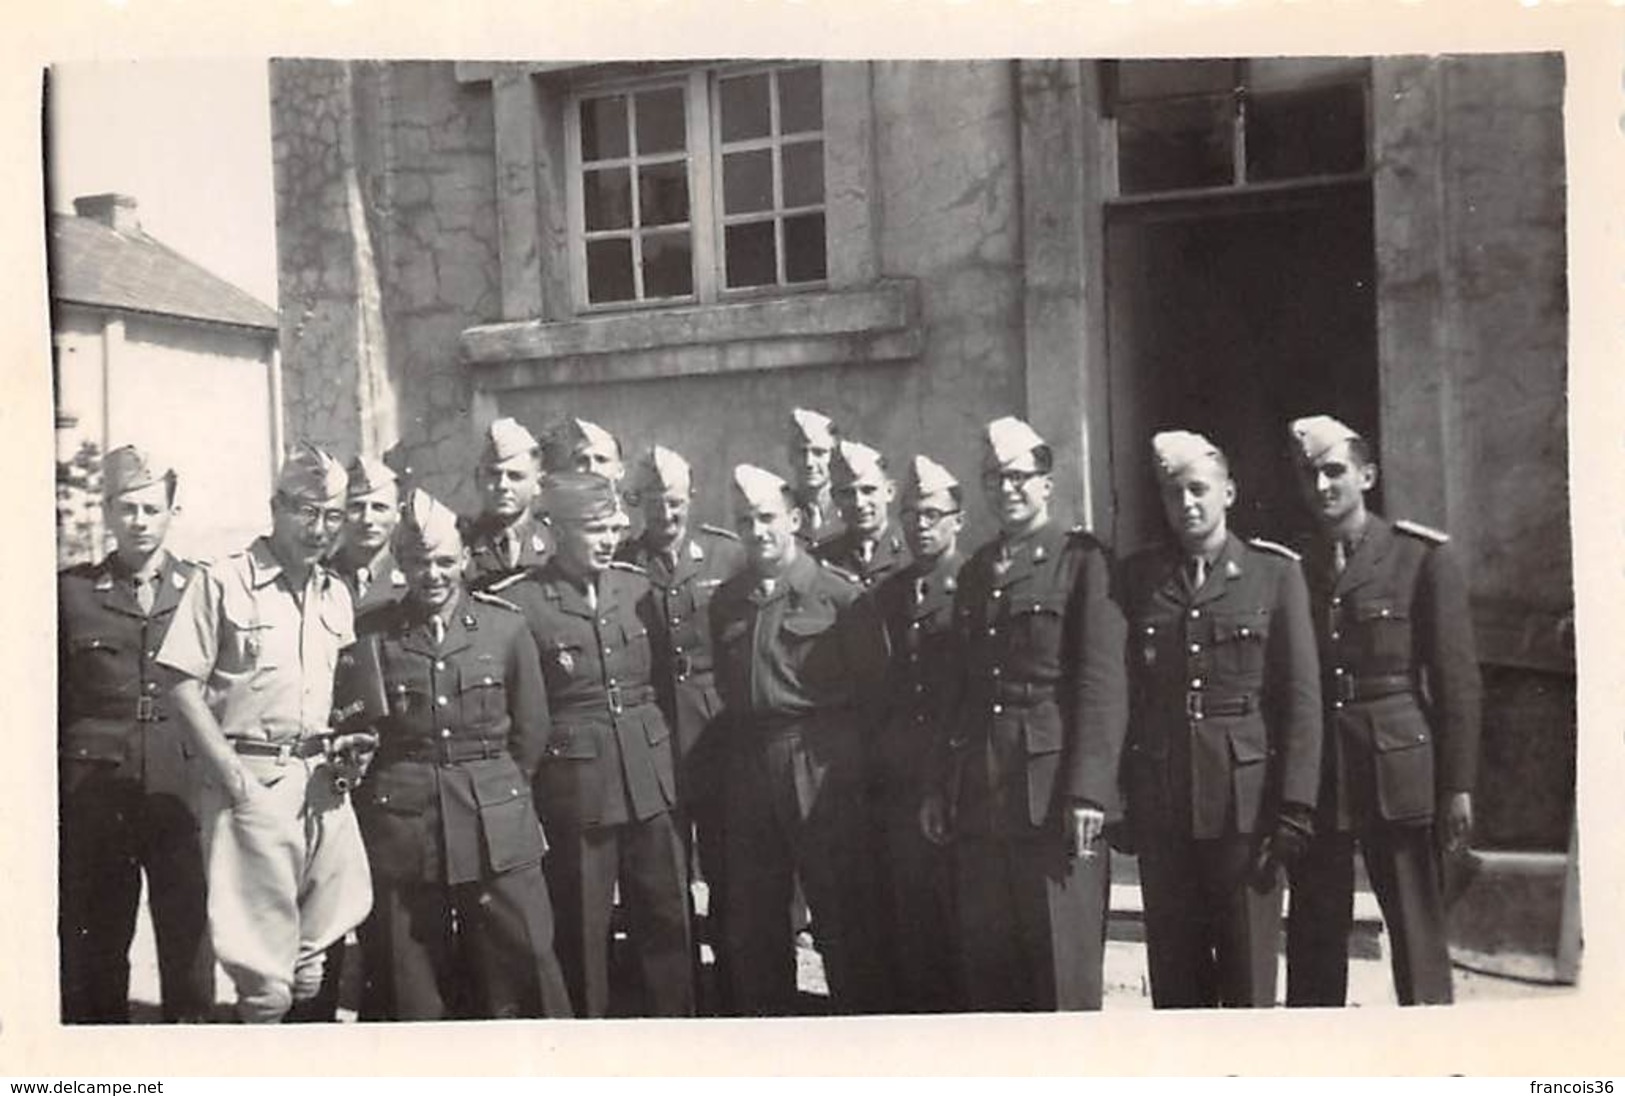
927	516
309	514
1009	477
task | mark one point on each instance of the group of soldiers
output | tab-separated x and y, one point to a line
493	745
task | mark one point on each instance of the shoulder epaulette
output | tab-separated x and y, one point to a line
719	531
622	565
485	597
504	582
840	572
1277	549
1424	532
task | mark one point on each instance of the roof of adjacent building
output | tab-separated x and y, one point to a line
94	264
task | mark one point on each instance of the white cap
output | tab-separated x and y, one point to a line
812	427
759	487
1317	434
1176	450
1009	439
926	477
659	469
506	438
853	461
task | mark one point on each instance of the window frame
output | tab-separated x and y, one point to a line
707	222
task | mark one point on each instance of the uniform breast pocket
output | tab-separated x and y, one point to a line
1238	644
1035	626
1382	629
635	640
484	695
96	667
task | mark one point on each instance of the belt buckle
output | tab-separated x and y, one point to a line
1193	705
615	699
684	666
144	710
1347	689
284	751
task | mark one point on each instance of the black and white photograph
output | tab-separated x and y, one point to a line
794	534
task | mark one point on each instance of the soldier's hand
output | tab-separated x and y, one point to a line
1120	836
934	819
1284	845
1458	821
1086	822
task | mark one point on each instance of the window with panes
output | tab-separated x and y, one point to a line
701	186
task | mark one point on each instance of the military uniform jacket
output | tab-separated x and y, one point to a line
889	555
1038	720
1225	691
809	650
608	758
447	798
111	703
375	582
486	566
682	599
1399	675
916	608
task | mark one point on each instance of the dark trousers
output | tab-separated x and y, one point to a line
917	884
794	811
1212	936
111	831
1403	864
705	855
481	950
1032	924
646	859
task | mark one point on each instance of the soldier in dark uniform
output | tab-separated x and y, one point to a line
916	606
1034	731
1223	760
505	538
686	565
576	445
812	444
1402	694
606	786
122	765
462	925
799	662
867	545
363	559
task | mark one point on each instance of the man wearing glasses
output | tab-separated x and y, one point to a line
256	638
1036	727
866	547
916	607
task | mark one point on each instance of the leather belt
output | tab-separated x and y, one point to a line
1023	693
620	699
1350	688
446	751
1200	705
688	668
146	710
282	751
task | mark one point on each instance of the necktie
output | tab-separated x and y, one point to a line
1196	572
144	592
919	591
510	549
592	596
363	579
764	589
437	629
1340	557
866	552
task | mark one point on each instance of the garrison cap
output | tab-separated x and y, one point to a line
426	524
505	439
659	470
369	474
128	469
571	438
759	487
812	427
1177	450
579	496
312	474
926	477
1316	435
1009	439
853	461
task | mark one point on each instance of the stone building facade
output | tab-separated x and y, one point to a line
1105	249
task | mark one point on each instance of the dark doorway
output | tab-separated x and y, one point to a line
1232	316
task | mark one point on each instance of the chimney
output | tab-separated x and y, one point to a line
116	211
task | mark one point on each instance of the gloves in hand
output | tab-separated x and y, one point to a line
1284	845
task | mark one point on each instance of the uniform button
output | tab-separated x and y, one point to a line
445	732
1196	648
1338	704
1338	670
913	656
612	681
997	671
439	665
919	689
1195	613
151	686
678	650
915	625
997	708
1196	683
675	619
607	651
440	700
1337	635
1150	629
486	681
992	631
152	654
997	594
1336	601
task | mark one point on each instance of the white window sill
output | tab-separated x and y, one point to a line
877	323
